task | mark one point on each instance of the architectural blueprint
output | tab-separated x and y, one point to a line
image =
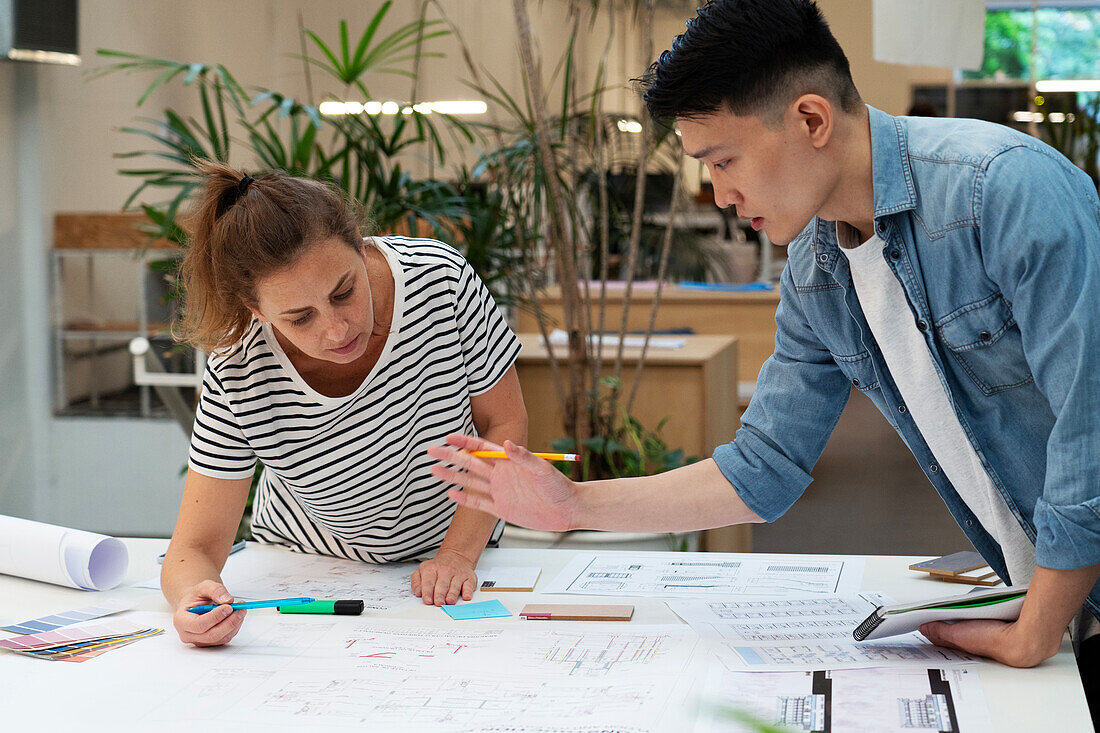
380	587
837	655
779	620
685	574
259	575
853	701
387	674
810	632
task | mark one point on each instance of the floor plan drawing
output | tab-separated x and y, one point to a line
598	654
837	655
380	587
690	574
385	674
451	702
778	620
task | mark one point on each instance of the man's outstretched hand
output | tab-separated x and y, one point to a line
521	489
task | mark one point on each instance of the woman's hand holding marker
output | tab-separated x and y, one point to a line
209	629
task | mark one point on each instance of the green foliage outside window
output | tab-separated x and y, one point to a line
1067	44
1007	41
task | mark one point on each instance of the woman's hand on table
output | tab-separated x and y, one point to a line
444	579
213	628
522	489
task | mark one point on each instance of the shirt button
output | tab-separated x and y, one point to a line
894	254
970	523
922	325
933	468
855	382
823	258
985	336
901	409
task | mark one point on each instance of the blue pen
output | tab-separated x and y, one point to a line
207	608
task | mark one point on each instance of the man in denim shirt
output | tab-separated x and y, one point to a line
949	269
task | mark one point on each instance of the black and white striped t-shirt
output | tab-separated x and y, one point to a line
349	476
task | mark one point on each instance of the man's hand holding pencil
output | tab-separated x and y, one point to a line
522	489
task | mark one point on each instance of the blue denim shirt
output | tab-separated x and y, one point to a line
995	239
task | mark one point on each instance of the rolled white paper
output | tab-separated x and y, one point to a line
61	555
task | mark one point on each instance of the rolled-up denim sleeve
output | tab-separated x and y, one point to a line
1040	242
800	393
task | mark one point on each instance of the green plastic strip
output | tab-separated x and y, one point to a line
973	604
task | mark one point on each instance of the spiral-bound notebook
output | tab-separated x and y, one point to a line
1003	604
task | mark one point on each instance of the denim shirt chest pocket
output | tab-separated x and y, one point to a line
860	370
840	333
984	342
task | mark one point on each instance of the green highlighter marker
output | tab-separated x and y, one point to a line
338	608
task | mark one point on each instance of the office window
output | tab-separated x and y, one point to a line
1026	41
1066	36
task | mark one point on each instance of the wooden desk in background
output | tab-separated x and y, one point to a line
750	316
694	387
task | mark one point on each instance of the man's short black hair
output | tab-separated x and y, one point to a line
749	57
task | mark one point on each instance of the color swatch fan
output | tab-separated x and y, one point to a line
78	644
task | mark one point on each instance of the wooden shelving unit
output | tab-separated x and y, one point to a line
82	335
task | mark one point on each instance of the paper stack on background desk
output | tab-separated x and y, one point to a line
60	555
559	337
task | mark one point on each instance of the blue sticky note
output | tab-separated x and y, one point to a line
483	609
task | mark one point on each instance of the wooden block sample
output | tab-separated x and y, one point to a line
575	612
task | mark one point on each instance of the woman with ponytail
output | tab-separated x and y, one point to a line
336	361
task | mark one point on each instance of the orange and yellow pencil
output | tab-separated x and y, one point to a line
571	457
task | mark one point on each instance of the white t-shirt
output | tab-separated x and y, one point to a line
349	476
906	353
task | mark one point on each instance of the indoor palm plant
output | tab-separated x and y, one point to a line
262	129
554	159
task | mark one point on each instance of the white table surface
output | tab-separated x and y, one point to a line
47	694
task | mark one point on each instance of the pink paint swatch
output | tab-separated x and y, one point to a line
63	637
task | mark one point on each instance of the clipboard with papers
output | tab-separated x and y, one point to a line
1002	604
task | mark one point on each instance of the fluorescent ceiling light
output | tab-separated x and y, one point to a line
1068	85
1055	117
374	107
43	57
